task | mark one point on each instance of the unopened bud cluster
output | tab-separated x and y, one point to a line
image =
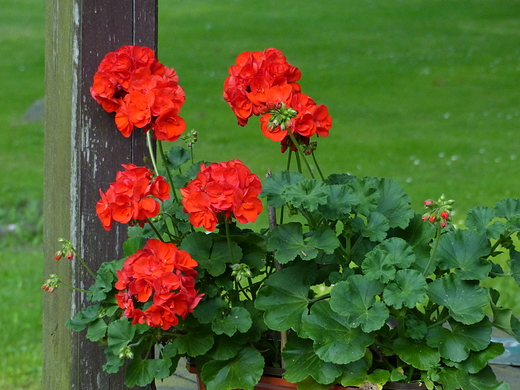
438	212
51	284
190	138
67	250
282	116
241	271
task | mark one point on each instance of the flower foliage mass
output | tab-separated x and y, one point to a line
347	285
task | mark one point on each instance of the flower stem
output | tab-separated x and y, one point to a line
84	264
317	166
155	229
168	173
228	237
293	139
150	150
75	288
434	249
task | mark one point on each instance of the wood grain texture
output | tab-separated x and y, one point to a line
83	152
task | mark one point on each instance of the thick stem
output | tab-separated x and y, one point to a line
434	249
168	173
300	152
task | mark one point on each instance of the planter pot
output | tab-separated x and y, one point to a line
272	382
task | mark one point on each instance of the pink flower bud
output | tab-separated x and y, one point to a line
70	255
433	218
428	203
57	255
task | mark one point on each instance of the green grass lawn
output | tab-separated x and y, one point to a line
425	92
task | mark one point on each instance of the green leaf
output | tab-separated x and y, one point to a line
284	297
139	372
275	184
324	239
238	319
176	156
225	348
211	256
82	318
367	191
507	208
356	300
408	289
514	265
381	262
334	340
456	343
307	194
375	228
355	373
97	330
120	334
464	299
478	360
105	278
504	320
339	202
462	250
133	244
394	203
196	342
480	219
301	361
113	362
208	309
242	372
287	243
416	353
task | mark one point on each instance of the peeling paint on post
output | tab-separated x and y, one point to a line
83	152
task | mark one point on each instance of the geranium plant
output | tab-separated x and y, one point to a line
345	285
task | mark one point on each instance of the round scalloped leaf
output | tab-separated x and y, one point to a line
408	289
417	354
456	343
301	361
464	299
356	300
463	250
241	372
334	340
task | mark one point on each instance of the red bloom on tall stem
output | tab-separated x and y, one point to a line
260	83
141	91
222	189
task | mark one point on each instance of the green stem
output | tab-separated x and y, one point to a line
168	173
228	237
434	249
317	165
154	229
84	264
293	139
75	288
150	150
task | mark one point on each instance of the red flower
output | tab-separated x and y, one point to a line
130	198
142	91
264	83
162	275
227	188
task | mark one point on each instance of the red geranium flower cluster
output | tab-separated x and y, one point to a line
264	83
162	275
250	79
226	188
128	200
141	91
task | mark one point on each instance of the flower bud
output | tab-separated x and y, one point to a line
70	255
57	255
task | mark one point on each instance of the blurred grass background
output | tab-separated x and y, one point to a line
424	92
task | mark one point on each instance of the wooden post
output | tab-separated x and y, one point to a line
83	151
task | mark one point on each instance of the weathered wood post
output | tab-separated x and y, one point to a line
83	151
